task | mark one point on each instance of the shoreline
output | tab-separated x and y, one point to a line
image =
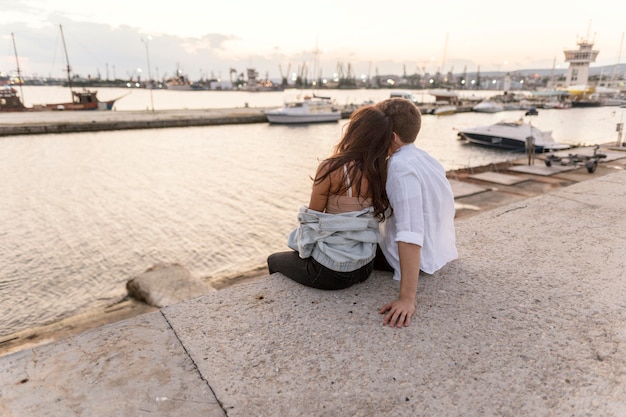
468	205
127	308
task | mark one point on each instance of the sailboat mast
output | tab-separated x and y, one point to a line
445	53
17	61
619	58
552	73
67	60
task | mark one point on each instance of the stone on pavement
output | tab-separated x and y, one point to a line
165	284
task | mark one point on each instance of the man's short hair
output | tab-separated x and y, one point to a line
405	116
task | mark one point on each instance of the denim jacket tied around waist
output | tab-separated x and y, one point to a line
342	242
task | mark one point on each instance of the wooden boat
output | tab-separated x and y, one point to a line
81	100
10	101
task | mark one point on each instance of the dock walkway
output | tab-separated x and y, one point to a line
93	121
529	321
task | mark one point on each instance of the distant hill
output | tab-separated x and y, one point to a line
607	70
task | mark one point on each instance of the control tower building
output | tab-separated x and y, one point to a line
579	60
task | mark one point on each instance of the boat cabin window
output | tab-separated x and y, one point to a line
403	94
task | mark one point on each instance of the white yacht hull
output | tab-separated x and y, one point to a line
511	136
488	107
316	110
286	118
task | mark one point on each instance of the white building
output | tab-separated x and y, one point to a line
579	61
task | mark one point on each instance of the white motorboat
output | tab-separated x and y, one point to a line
445	110
488	106
404	94
557	104
512	136
310	110
444	96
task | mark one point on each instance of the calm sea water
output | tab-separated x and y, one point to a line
83	213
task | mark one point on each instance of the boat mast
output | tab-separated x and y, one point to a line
316	61
17	61
619	58
443	60
67	60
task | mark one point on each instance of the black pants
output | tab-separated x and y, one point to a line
311	273
380	262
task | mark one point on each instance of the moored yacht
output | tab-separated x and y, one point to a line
310	110
512	136
488	106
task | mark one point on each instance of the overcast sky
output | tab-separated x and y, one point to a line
207	38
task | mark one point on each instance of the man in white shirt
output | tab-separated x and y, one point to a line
420	232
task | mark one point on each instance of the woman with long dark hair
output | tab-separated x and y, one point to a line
335	244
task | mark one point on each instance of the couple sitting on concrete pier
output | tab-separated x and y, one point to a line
378	202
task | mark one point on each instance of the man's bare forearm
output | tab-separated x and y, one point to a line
409	269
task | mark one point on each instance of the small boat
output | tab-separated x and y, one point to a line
81	100
10	101
405	94
488	106
557	104
614	101
444	96
532	112
255	84
586	103
511	136
445	110
310	110
180	82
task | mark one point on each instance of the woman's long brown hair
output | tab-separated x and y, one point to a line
364	149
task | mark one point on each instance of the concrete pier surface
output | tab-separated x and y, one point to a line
529	321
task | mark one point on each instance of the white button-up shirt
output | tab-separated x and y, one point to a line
423	210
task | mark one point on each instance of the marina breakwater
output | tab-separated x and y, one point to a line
95	121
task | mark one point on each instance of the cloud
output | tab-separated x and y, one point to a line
102	41
95	48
